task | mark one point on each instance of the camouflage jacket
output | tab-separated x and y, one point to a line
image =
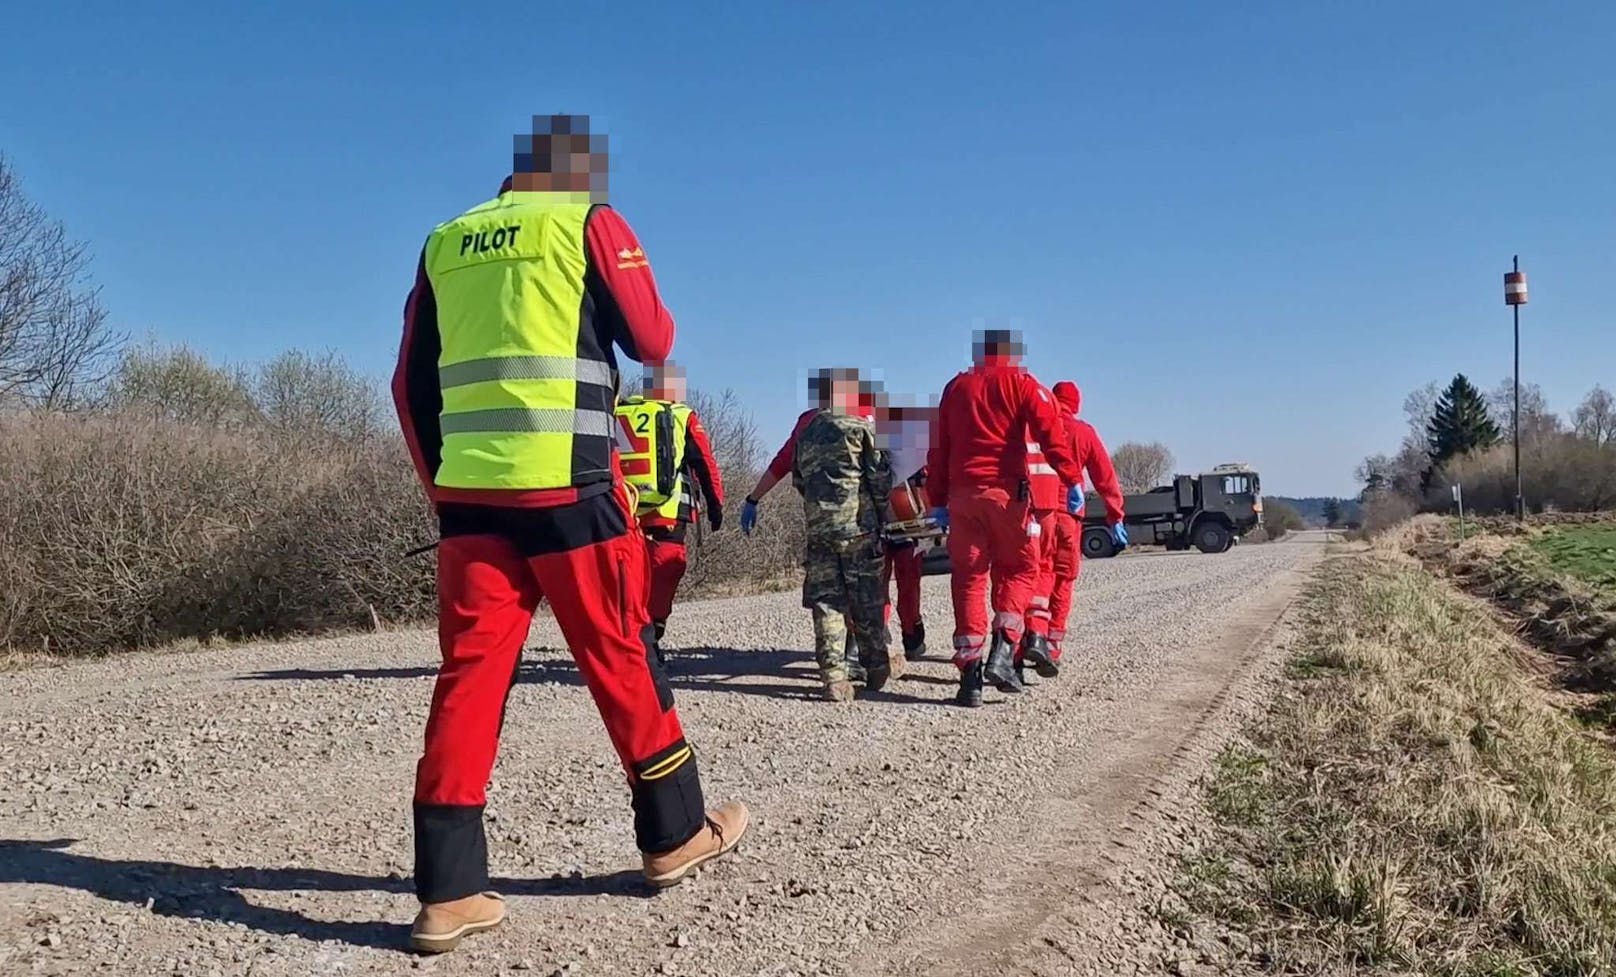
845	478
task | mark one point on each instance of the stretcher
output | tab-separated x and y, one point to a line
911	521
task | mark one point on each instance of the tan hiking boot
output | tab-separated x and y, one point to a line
440	926
725	825
839	690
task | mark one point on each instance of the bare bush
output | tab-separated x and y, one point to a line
1383	509
1142	467
733	434
727	562
124	530
303	395
178	384
1564	473
1280	519
55	344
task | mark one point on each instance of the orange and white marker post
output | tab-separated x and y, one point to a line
1515	297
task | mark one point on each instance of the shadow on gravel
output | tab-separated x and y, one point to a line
194	892
699	669
708	662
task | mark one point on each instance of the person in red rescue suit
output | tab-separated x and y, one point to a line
976	477
666	526
819	388
906	433
505	388
1063	557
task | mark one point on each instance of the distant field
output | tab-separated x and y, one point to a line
1587	552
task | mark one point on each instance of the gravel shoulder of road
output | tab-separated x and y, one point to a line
246	810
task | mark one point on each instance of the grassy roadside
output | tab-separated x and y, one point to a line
1586	553
1411	803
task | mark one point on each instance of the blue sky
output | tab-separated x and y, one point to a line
1246	230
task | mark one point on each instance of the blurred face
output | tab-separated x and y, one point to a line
560	155
844	396
666	383
998	346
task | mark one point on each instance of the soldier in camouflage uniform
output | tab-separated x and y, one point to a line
845	480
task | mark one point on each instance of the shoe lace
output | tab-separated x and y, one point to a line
717	830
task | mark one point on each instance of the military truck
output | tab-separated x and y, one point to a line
1210	512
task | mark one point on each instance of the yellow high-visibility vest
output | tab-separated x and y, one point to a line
528	385
653	454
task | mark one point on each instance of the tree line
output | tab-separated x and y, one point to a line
1460	434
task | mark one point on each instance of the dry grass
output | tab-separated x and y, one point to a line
1412	803
124	530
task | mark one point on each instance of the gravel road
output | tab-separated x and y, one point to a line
245	811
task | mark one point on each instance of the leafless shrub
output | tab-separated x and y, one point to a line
1563	472
124	530
304	395
727	562
178	384
55	344
1142	467
1384	509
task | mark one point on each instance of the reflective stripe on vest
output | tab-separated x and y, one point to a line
528	386
1036	463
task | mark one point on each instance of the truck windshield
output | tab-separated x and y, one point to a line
1239	484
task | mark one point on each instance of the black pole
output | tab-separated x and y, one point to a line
1520	502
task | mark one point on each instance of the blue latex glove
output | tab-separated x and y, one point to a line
940	517
1119	535
748	517
1075	501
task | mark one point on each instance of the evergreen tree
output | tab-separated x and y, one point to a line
1332	512
1460	424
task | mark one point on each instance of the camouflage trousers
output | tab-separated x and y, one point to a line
843	587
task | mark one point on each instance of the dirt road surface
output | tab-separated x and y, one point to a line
246	811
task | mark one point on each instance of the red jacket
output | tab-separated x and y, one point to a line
1096	461
1090	451
1045	489
986	418
628	313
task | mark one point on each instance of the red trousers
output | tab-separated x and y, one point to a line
1065	563
494	565
1038	608
903	562
666	546
990	535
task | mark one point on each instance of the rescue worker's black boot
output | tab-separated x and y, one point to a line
1021	673
1001	665
1035	650
914	643
970	690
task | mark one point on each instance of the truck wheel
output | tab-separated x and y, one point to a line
1211	537
1097	544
